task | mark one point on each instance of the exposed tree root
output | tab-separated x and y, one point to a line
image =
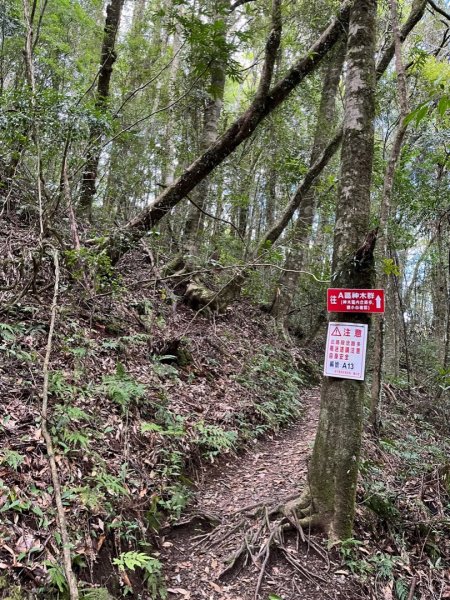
263	531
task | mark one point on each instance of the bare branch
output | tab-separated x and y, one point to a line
239	3
207	214
38	28
417	11
438	9
71	580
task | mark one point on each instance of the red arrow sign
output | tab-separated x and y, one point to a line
355	301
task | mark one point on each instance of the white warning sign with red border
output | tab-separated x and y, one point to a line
345	354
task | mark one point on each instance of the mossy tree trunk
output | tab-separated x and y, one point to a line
334	464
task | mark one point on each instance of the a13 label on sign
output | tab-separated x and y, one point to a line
345	355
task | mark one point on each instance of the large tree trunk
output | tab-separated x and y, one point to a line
334	465
295	260
107	60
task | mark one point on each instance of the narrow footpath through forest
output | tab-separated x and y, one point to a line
268	474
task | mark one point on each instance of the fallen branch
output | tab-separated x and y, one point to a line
67	561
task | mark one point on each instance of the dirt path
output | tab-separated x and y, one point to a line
269	473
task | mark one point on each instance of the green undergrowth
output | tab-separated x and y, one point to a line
403	514
276	382
127	452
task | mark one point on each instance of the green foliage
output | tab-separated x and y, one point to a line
96	594
401	589
111	484
76	439
57	577
60	387
14	501
435	77
214	440
176	498
96	266
11	458
390	267
151	566
175	429
10	342
8	332
272	375
65	414
91	498
122	388
380	564
208	44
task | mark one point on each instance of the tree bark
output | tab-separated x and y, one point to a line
334	465
107	60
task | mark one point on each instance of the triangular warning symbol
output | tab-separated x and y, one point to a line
336	332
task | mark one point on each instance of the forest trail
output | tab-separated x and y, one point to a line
269	473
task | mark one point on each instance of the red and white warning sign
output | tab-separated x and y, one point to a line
345	354
361	301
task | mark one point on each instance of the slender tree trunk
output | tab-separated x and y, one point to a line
107	60
385	210
270	188
211	116
440	290
169	167
334	465
295	260
446	362
392	318
138	13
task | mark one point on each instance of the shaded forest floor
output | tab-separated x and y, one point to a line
401	548
271	471
159	413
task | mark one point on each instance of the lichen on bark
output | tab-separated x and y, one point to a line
334	464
